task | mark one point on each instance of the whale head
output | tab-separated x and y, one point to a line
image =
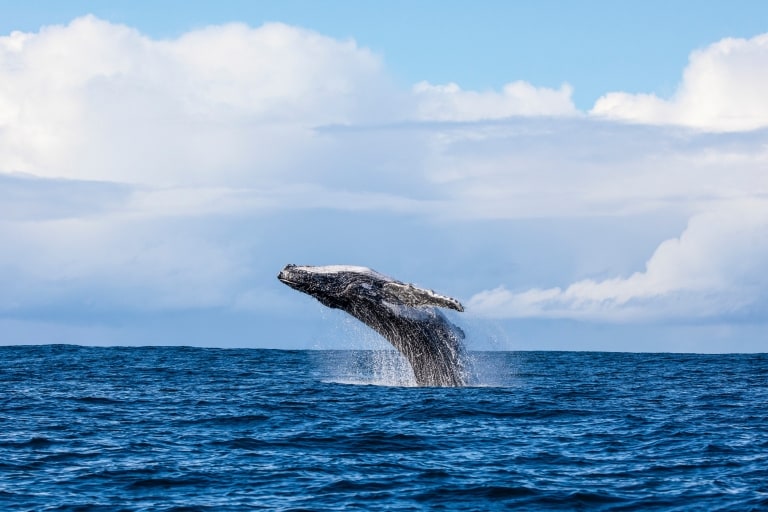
336	286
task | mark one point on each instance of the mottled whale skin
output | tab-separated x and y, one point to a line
407	316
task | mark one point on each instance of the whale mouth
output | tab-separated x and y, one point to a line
283	279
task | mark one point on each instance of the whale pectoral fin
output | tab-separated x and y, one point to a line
413	296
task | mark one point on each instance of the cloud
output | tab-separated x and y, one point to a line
24	197
722	89
107	262
99	101
226	105
543	167
716	268
152	175
451	103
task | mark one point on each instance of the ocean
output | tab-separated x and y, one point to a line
184	429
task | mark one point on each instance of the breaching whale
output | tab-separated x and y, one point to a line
407	316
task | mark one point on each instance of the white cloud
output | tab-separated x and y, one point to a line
718	267
153	171
532	168
95	100
224	105
723	89
451	103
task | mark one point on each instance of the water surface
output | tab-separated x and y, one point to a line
170	428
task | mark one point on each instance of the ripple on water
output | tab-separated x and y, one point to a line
191	429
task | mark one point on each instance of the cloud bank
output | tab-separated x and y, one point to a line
223	104
153	175
99	101
716	268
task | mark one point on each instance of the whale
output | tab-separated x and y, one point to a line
407	316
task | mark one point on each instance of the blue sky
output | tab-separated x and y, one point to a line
585	176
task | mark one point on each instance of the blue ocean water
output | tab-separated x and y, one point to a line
166	428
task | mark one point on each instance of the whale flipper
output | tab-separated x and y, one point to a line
411	295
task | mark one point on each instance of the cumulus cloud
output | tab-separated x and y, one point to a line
722	89
221	105
716	268
451	103
96	100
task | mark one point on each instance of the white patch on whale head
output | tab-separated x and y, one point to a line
338	269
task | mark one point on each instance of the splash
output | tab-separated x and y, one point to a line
373	361
387	367
368	367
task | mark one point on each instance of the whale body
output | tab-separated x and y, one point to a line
407	316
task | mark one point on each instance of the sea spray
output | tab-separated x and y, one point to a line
369	359
353	353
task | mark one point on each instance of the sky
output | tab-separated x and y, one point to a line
582	176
